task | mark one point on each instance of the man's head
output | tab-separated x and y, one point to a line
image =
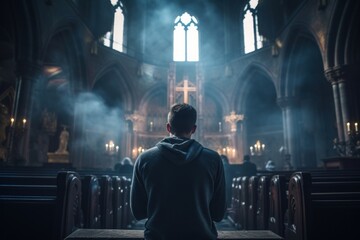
246	158
181	120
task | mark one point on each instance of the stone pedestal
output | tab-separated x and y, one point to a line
58	157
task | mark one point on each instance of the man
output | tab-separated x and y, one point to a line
179	185
248	168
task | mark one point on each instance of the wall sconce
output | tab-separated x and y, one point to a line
18	125
351	147
275	48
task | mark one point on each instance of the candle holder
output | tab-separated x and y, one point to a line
351	147
111	149
258	149
18	124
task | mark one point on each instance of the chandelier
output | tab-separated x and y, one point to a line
258	149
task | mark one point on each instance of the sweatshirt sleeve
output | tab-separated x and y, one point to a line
138	196
218	202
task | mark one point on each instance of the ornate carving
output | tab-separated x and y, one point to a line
337	74
233	118
137	119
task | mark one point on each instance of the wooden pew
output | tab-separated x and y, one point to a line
128	218
234	214
252	206
33	212
91	201
117	201
262	205
244	203
279	195
277	203
323	211
106	205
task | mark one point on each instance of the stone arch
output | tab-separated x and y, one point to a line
122	83
219	107
309	134
257	100
243	82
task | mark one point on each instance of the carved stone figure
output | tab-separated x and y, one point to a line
64	138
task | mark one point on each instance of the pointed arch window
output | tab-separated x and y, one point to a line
115	38
186	39
252	38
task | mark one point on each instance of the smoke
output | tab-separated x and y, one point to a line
100	122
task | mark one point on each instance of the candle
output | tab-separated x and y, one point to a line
356	127
263	147
151	126
220	129
12	120
117	148
348	126
24	122
107	147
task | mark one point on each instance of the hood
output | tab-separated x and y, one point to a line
179	150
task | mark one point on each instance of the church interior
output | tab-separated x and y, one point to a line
85	84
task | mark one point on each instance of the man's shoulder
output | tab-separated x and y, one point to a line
149	153
210	153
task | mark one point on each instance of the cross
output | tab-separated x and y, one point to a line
186	89
233	118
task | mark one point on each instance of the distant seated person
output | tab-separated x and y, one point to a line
124	166
248	168
270	166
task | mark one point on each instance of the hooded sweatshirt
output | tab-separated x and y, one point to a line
179	186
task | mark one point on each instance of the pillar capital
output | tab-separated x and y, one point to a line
337	74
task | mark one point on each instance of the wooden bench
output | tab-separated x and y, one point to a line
106	201
40	211
278	201
262	205
323	210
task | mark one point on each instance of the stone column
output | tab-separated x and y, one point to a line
171	84
287	104
337	77
138	121
22	138
199	102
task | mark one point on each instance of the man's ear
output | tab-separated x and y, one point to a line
168	127
193	130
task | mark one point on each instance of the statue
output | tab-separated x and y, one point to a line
64	138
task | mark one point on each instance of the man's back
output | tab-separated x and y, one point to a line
248	169
180	187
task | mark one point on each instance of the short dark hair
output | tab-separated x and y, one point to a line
182	118
246	158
